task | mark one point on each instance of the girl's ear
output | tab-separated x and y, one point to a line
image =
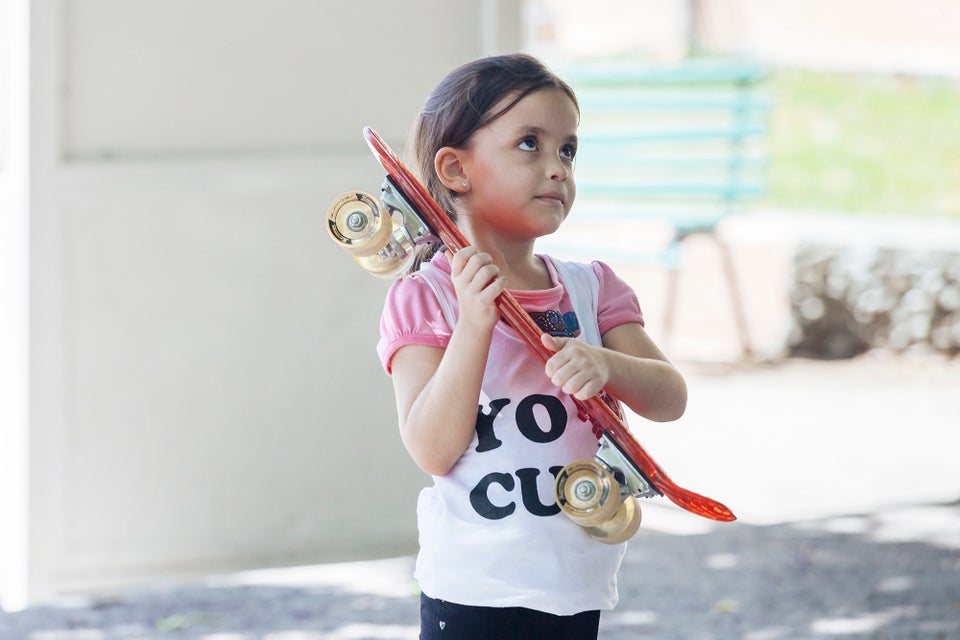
448	163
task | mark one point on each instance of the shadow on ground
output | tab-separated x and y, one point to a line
820	579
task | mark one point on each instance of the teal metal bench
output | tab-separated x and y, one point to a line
683	144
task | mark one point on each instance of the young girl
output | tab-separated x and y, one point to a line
495	146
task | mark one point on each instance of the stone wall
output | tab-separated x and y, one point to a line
846	301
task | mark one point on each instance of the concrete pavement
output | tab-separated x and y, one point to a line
843	475
823	579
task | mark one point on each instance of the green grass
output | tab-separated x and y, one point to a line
864	143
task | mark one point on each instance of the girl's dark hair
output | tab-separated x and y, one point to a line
464	102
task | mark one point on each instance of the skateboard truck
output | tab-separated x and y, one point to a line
381	238
601	494
631	479
413	226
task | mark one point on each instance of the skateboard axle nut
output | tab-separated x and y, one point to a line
356	221
585	490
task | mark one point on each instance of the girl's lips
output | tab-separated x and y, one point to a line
551	196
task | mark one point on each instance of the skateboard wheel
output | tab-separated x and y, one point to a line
386	264
587	492
356	222
621	527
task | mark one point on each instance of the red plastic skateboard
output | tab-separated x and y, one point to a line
595	494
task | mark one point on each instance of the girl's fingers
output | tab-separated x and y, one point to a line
580	385
572	369
474	266
550	342
468	256
477	281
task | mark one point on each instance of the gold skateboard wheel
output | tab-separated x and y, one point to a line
386	264
587	492
356	222
621	527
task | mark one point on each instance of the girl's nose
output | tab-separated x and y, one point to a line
559	170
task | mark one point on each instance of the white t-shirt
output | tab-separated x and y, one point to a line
491	533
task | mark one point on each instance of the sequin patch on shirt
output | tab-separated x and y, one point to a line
557	324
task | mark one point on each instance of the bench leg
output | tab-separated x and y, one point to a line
733	287
670	313
736	300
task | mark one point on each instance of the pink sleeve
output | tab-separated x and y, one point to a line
411	315
618	302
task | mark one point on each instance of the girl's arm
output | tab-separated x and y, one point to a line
438	390
629	365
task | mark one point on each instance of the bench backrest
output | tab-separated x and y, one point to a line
684	142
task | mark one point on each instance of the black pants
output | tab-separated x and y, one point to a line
441	620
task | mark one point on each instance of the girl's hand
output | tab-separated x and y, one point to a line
477	282
579	369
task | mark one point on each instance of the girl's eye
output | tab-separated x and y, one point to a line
568	151
528	144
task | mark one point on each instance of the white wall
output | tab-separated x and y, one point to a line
13	305
558	30
887	36
7	46
204	392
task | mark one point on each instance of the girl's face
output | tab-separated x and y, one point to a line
520	168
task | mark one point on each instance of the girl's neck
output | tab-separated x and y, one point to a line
523	270
514	255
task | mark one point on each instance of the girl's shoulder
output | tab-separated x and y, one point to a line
616	300
426	277
417	310
604	273
419	298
